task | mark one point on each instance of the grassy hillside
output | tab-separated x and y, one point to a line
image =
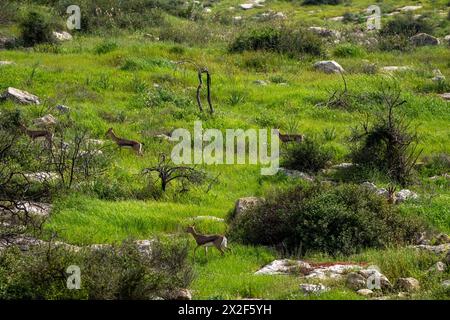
124	79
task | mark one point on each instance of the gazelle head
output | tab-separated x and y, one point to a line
109	132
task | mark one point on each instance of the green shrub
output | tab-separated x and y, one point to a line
36	28
333	220
287	40
436	164
348	51
307	156
394	43
108	272
406	25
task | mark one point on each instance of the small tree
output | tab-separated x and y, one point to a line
168	172
36	28
388	144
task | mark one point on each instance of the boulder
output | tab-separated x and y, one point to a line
35	208
331	271
408	284
328	67
390	69
62	35
365	292
404	195
243	204
424	39
410	8
246	6
445	96
296	174
45	121
439	267
283	266
356	281
308	288
20	96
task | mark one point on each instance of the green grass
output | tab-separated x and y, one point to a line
104	87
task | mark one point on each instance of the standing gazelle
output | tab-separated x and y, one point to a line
34	134
216	240
135	145
290	137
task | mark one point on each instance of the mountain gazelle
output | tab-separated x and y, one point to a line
121	142
216	240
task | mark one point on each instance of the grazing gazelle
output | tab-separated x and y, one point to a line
291	137
136	146
34	134
216	240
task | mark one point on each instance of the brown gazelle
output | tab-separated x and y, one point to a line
291	137
135	145
34	134
216	240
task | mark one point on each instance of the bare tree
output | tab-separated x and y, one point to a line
168	172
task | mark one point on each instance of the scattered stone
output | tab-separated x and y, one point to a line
447	258
338	18
334	271
283	266
356	281
180	294
243	204
323	32
246	6
35	208
439	267
237	18
308	288
365	292
145	246
410	8
445	283
402	295
439	249
344	165
438	76
374	278
20	96
261	82
62	108
62	36
442	238
404	195
370	185
45	121
423	39
7	42
296	174
445	175
152	37
23	242
95	142
43	177
447	39
6	63
212	218
408	284
329	67
445	96
207	10
163	136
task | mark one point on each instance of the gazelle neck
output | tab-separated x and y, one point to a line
113	136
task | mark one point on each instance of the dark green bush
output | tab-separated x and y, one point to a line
307	156
348	51
286	40
36	28
105	47
109	272
406	25
334	220
436	164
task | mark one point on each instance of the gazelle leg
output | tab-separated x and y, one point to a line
195	251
